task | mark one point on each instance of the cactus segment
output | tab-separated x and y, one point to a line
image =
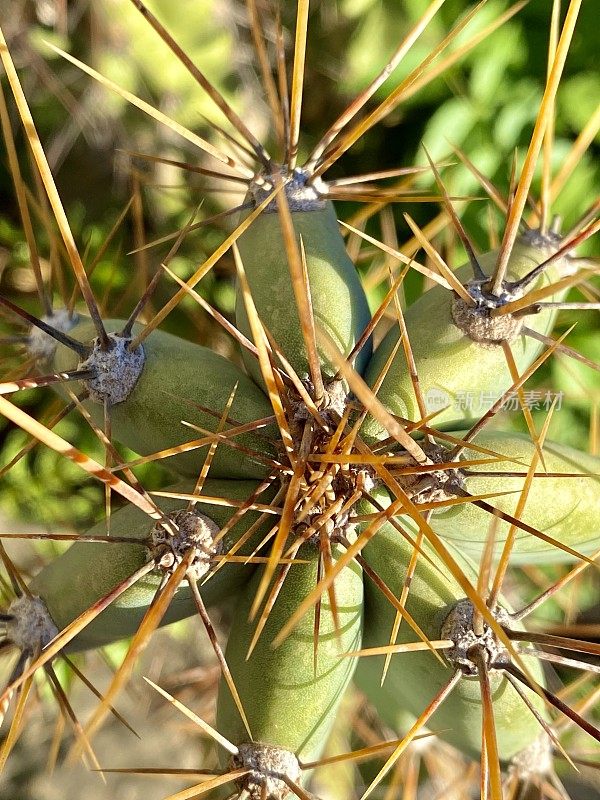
462	372
462	669
339	303
564	508
415	678
88	571
150	395
290	694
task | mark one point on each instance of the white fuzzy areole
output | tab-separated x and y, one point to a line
117	370
300	194
477	323
190	530
32	627
458	626
40	345
267	763
332	407
429	487
535	760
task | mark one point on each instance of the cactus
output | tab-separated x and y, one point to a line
353	530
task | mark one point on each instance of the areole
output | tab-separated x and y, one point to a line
166	381
94	569
457	348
